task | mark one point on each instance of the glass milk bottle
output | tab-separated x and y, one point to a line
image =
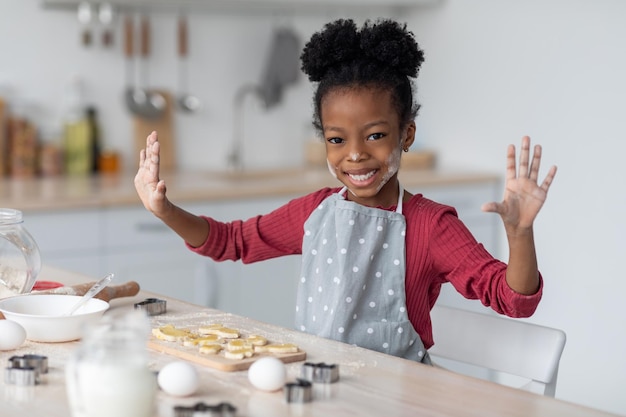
108	374
20	260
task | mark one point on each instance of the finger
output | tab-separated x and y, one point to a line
492	207
523	158
142	158
152	137
536	162
510	163
161	187
547	182
154	160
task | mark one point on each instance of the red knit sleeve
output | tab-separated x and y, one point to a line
440	249
476	274
261	237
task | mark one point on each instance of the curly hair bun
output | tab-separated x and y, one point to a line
385	43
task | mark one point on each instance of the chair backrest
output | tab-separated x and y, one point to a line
500	344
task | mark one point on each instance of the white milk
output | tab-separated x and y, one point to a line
108	375
106	390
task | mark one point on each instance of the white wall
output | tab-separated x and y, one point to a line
495	70
553	69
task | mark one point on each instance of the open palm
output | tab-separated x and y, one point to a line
523	195
150	188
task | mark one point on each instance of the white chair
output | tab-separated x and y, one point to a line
500	344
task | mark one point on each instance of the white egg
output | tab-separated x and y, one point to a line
12	335
267	374
179	379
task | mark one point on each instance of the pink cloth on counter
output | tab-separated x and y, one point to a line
439	249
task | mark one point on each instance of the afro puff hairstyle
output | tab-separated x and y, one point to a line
382	54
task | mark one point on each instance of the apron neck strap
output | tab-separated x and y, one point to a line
400	198
342	193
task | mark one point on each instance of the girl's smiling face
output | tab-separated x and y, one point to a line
364	142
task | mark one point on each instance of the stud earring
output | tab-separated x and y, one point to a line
405	149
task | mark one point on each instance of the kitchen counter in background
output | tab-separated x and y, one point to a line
98	225
62	193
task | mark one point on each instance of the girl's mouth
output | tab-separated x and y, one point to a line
362	179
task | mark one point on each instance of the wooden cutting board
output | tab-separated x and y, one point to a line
164	126
217	361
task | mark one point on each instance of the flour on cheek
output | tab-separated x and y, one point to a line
393	165
333	171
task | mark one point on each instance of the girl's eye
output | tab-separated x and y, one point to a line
335	140
376	136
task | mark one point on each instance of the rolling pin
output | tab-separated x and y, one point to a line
127	289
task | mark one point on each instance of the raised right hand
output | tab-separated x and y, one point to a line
150	188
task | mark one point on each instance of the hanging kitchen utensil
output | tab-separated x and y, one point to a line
155	103
105	16
152	102
129	51
188	103
143	103
84	18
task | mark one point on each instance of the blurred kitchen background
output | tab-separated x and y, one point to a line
495	70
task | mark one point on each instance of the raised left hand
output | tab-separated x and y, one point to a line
523	196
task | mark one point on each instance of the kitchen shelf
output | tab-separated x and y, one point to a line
246	6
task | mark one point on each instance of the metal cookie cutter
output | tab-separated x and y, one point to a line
299	392
21	376
39	362
26	370
201	409
152	306
320	372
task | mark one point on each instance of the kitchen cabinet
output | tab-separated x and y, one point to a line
136	246
139	247
70	239
265	290
127	241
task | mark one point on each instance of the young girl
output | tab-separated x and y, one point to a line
374	256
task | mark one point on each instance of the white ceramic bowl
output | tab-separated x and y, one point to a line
43	315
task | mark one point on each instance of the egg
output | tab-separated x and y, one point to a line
267	374
179	379
12	335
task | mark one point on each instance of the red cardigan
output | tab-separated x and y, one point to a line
439	249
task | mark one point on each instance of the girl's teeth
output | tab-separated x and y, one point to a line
362	177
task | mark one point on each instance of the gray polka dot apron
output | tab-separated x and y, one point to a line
352	283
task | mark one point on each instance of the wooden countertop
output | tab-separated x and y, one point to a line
62	193
371	383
